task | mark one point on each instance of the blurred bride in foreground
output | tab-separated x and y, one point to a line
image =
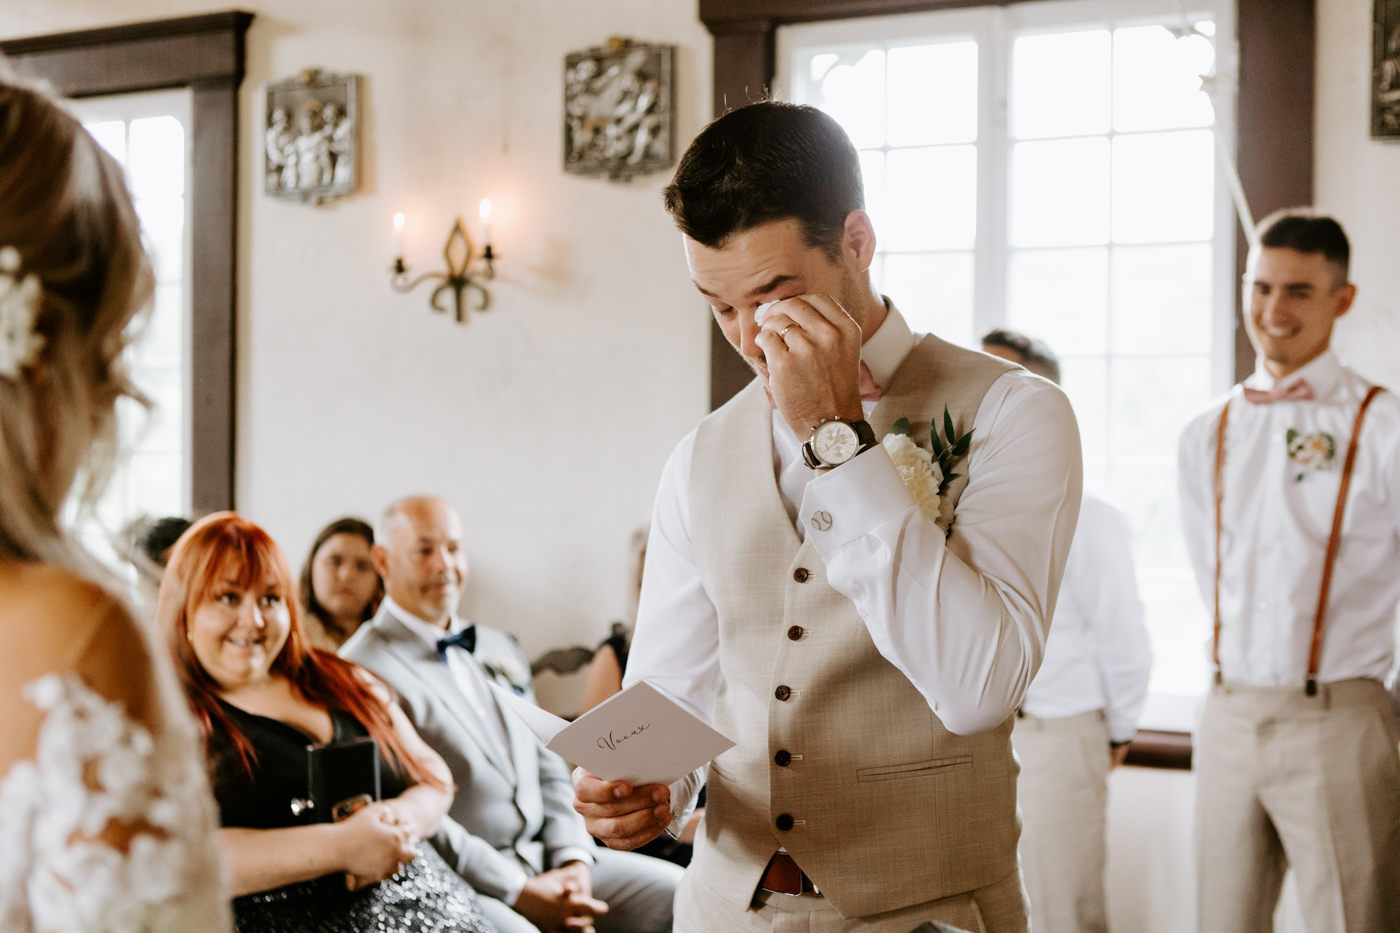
106	819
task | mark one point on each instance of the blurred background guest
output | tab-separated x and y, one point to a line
340	589
146	543
1082	709
264	698
105	816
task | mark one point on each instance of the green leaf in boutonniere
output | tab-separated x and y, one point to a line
900	427
950	449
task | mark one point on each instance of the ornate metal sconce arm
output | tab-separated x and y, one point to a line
460	278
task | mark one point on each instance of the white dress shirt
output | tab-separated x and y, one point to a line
1276	528
968	629
466	672
1099	654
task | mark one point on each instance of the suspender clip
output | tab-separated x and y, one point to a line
1311	687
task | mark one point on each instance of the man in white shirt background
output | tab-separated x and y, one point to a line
512	832
1297	554
1081	711
866	660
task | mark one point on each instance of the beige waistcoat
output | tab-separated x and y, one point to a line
889	808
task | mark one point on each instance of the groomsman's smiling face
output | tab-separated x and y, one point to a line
422	560
1293	300
772	262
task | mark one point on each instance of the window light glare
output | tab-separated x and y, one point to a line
822	63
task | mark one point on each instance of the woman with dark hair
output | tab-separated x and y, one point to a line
265	700
340	589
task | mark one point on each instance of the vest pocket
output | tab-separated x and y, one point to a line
915	769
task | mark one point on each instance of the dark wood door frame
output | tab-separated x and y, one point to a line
1277	42
205	54
1274	142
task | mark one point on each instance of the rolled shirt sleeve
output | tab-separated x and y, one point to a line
964	617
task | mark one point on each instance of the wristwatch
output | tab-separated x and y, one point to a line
835	442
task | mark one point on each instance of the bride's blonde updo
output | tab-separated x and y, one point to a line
65	209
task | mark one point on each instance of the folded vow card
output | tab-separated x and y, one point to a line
640	736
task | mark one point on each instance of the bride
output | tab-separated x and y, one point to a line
106	820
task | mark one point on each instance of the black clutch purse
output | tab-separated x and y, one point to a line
340	779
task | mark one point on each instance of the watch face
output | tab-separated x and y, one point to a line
835	442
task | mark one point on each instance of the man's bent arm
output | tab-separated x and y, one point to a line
965	617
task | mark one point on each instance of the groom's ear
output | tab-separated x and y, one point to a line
379	556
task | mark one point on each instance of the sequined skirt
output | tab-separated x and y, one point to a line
426	897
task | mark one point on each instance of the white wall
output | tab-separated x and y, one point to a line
1358	180
547	420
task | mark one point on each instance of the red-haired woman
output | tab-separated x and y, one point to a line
264	698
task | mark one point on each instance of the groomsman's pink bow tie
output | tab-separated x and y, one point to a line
1296	391
869	391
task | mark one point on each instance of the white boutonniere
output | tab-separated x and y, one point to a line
1310	452
19	307
927	473
506	669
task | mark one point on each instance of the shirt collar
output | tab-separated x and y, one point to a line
1324	374
888	346
421	627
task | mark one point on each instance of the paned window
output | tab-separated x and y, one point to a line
148	133
1055	168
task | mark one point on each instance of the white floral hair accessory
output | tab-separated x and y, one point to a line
19	307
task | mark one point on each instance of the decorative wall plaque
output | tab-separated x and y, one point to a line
620	110
311	142
1385	70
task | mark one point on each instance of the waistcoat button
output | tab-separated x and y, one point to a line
784	822
801	574
783	758
783	692
796	632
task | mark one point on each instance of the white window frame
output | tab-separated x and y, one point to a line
994	28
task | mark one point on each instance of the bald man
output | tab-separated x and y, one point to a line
512	833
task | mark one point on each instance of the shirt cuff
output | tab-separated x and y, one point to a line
570	854
853	500
511	894
687	789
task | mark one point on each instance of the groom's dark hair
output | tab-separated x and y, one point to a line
765	162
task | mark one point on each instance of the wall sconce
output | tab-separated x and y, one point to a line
465	267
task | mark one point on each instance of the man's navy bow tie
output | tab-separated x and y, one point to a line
466	638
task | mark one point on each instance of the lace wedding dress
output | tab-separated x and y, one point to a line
108	828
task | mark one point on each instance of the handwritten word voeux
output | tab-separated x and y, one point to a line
641	735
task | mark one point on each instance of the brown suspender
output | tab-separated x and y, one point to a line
1334	542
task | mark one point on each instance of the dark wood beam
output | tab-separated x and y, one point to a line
205	54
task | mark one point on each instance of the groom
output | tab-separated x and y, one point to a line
795	591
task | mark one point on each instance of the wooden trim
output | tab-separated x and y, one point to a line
205	54
1152	749
1277	47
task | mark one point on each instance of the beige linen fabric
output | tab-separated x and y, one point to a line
1063	792
999	906
1312	782
888	809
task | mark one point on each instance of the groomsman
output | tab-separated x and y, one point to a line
1290	495
864	636
1082	709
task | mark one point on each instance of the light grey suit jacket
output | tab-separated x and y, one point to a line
512	811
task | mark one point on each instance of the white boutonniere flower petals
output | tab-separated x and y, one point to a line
1311	452
19	307
922	476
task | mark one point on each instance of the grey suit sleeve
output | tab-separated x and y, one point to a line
485	869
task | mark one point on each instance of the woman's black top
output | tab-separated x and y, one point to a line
264	800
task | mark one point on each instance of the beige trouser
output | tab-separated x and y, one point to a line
1312	782
998	908
1063	793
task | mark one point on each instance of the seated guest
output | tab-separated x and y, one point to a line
1081	711
519	842
146	543
340	589
264	699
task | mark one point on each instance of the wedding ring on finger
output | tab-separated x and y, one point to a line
783	333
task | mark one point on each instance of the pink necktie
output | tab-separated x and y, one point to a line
869	391
1296	391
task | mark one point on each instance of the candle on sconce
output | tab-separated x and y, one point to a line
398	235
485	209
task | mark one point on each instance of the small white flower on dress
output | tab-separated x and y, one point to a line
1310	452
19	307
922	476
